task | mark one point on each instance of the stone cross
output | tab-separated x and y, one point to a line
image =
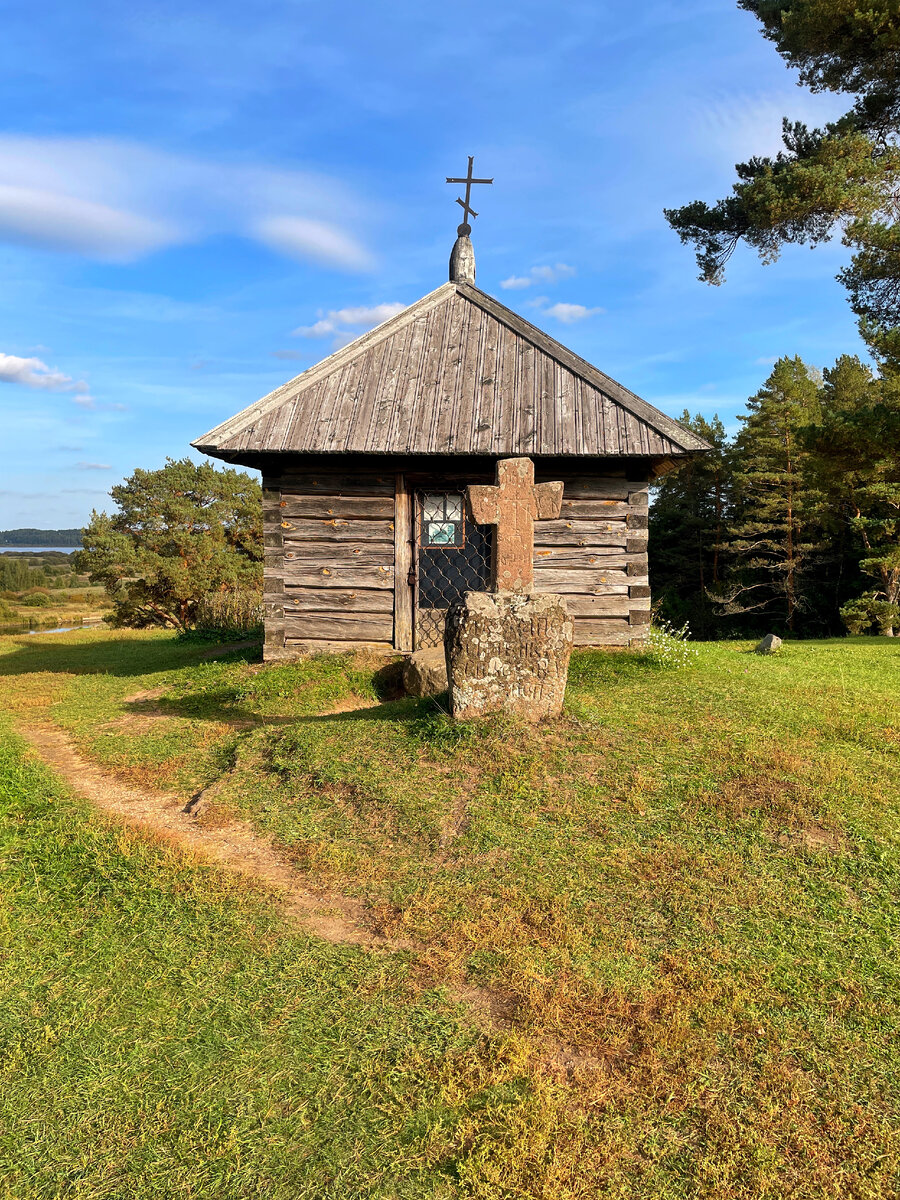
513	506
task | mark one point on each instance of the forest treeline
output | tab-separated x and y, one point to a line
793	525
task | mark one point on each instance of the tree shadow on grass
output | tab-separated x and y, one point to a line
121	657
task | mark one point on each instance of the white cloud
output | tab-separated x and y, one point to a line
570	313
539	275
347	322
66	223
33	373
302	238
89	466
289	354
117	201
765	362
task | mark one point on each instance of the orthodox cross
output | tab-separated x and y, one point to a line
466	207
513	506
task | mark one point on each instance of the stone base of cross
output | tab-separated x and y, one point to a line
512	506
508	650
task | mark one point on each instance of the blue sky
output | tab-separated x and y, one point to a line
197	201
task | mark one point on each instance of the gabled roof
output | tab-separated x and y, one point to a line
455	373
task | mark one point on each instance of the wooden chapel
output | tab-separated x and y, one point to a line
365	459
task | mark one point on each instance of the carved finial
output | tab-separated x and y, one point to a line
462	257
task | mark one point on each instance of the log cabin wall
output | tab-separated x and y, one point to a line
329	566
596	553
338	550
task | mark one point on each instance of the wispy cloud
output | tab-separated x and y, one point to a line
34	373
299	237
347	323
570	313
544	275
90	466
117	201
288	354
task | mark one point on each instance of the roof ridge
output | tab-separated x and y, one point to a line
243	424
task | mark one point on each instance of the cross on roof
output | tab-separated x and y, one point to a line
466	207
513	506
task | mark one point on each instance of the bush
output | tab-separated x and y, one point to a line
868	614
36	600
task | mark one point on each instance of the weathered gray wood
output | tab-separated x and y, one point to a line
296	648
582	583
335	626
403	565
588	487
335	529
363	554
639	616
602	606
325	507
581	558
592	534
318	599
363	482
556	395
603	632
593	510
637	520
639	591
339	575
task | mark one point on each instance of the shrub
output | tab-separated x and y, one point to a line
36	600
867	614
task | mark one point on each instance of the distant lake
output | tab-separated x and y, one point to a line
38	549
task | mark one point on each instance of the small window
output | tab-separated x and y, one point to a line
442	519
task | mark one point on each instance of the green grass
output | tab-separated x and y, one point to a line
683	892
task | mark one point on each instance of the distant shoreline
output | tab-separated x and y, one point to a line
38	549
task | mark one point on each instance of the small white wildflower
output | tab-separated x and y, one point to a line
670	647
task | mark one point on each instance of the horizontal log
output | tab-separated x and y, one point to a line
337	626
303	647
599	606
590	631
637	565
336	529
639	591
582	583
592	534
317	599
586	510
350	576
636	544
640	499
325	506
326	554
637	520
359	483
587	487
584	558
639	615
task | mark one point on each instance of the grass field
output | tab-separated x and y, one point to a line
680	901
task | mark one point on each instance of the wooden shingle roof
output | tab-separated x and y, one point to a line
455	373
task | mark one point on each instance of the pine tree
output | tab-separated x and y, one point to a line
688	522
855	445
842	178
772	539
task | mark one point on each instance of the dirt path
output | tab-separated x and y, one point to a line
236	846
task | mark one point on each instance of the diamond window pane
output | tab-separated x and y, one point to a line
454	507
441	533
433	508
